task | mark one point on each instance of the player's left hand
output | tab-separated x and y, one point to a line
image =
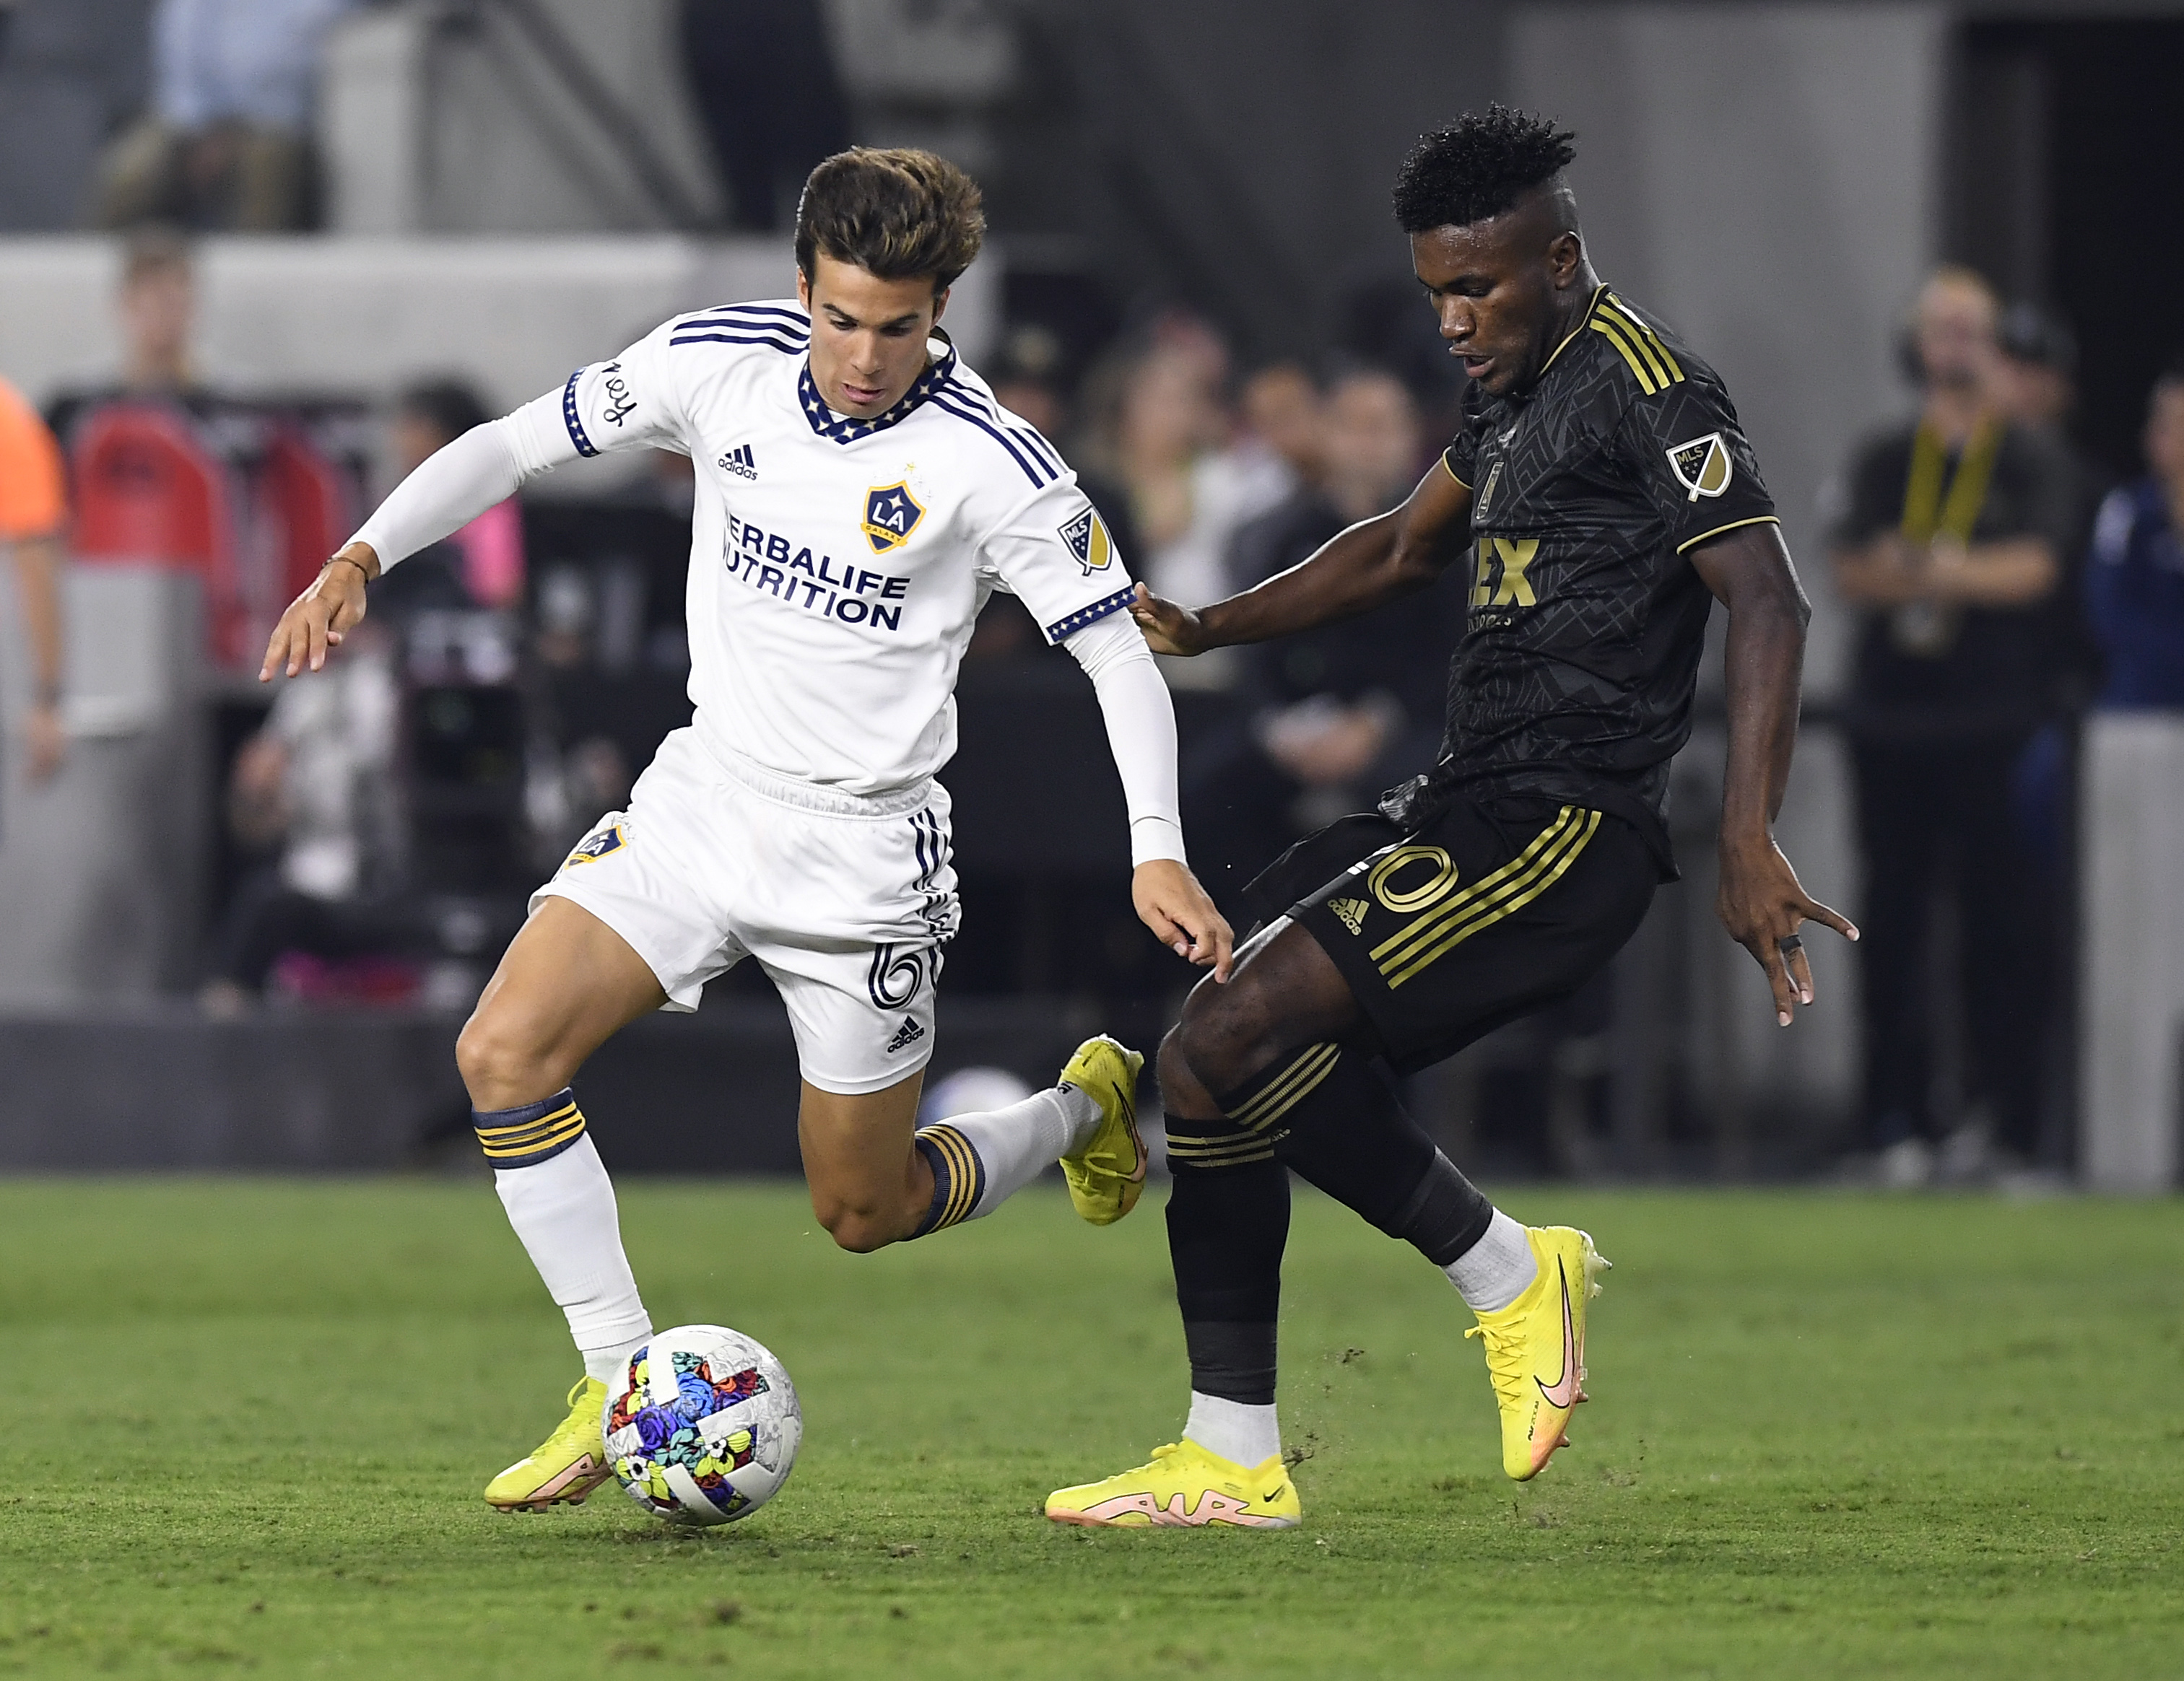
1171	903
1763	904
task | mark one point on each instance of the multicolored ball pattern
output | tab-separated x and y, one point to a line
702	1425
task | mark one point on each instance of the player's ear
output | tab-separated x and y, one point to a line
1565	257
940	302
804	289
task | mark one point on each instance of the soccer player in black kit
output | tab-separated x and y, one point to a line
1598	499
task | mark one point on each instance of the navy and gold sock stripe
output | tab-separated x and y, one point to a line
959	1177
1418	943
531	1134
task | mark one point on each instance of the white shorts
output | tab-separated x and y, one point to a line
846	901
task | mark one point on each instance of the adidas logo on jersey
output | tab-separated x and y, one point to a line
1349	912
908	1034
741	462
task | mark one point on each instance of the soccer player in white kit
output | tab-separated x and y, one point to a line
860	495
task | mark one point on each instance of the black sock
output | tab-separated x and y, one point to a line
1227	1222
1330	1113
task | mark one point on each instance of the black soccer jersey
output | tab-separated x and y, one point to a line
1574	674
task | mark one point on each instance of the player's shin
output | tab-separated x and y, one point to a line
1227	1224
561	1204
980	1160
1329	1113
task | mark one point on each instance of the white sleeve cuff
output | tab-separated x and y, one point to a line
1140	722
455	484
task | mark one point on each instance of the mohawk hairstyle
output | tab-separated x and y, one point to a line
899	213
1477	167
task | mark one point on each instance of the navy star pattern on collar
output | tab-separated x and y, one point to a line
844	429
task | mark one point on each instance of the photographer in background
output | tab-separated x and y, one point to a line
1951	541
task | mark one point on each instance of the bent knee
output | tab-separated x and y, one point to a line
501	1065
858	1229
1217	1043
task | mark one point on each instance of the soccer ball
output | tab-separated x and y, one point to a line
702	1425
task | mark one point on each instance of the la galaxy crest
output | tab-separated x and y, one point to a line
1088	540
1702	466
891	514
603	842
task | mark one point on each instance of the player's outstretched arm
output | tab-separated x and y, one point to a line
1366	566
1140	719
1761	902
317	620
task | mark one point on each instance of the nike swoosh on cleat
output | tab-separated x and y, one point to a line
1127	1101
1561	1394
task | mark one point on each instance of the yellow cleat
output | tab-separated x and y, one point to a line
1107	1175
1183	1488
564	1468
1535	1349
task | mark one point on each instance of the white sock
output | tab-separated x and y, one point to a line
1015	1145
1248	1435
564	1210
1497	1269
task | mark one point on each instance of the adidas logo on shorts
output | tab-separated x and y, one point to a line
908	1034
1349	912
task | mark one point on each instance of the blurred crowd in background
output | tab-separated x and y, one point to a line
380	825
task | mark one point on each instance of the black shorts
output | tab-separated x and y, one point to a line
1493	908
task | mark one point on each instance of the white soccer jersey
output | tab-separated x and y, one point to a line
836	565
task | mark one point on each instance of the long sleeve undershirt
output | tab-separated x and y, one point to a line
490	463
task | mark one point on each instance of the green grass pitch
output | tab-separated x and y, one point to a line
243	1425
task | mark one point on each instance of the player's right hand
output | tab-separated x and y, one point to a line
1171	903
317	620
1168	628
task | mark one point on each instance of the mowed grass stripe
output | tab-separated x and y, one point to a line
1832	1436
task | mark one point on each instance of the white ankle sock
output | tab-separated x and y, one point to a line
1497	1269
564	1210
1248	1435
1015	1145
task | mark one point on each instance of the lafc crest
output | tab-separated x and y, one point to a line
891	514
1088	540
1486	492
1702	466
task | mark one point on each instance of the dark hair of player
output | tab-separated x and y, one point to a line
1477	167
897	214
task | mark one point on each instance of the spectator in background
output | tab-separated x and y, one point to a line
315	789
1027	380
2135	584
33	513
762	75
226	145
156	310
1194	474
481	564
1343	712
1951	542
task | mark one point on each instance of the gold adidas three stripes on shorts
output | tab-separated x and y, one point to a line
1497	906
